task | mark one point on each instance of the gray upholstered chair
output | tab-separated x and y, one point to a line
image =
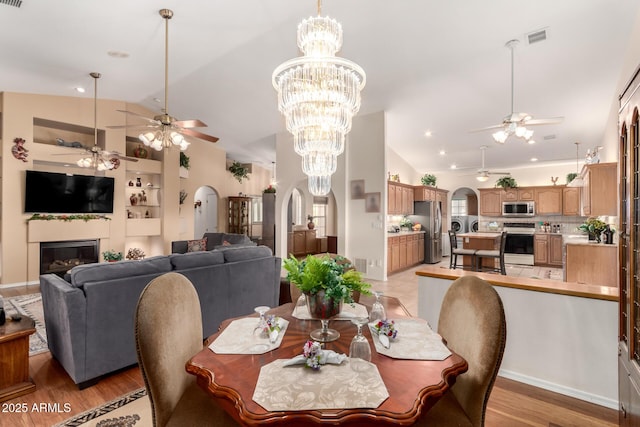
455	251
168	331
497	254
473	324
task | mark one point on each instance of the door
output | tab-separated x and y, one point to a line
205	217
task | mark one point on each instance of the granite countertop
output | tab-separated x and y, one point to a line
480	235
590	243
404	233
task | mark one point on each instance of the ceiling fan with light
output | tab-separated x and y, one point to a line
164	130
483	172
98	158
517	123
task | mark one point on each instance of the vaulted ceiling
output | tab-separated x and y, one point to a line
438	66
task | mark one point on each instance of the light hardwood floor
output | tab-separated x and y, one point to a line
511	404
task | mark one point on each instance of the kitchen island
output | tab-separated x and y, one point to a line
481	240
590	262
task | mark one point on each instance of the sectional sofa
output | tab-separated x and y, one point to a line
89	317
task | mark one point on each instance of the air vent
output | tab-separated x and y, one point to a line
549	137
361	265
537	36
15	3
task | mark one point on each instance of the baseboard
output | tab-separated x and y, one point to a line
18	284
558	388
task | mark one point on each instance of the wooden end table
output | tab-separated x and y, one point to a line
14	358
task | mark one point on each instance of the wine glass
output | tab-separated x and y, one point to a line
300	303
359	350
262	323
377	309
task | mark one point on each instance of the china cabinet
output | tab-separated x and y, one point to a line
239	211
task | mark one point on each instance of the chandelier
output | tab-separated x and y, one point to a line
319	94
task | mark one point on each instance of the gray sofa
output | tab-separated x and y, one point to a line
89	318
214	241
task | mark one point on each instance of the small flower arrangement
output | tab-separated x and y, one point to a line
135	254
386	327
272	323
269	189
311	352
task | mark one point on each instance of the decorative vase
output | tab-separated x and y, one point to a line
140	152
138	182
311	225
133	200
323	309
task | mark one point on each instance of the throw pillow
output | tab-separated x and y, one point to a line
197	245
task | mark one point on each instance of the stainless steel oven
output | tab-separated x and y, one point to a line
519	244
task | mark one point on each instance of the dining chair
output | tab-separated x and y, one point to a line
455	251
494	253
168	332
472	323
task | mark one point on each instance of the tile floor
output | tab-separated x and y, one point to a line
403	285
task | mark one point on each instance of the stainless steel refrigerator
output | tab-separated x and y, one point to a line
429	215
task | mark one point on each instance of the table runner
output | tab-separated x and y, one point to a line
238	338
415	340
347	313
297	388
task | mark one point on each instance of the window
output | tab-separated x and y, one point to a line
458	207
320	215
296	207
256	210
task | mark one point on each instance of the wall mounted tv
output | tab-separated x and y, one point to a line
50	192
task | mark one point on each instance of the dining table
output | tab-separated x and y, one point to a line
413	386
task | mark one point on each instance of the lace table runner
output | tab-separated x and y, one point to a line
239	338
297	388
347	313
415	341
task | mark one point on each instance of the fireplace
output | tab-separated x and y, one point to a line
60	257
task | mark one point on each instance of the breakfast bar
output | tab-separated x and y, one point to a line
480	240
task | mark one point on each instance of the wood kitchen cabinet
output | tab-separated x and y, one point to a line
393	263
510	195
540	249
571	201
404	251
548	200
302	242
599	195
581	267
424	193
400	198
526	194
490	201
555	250
441	196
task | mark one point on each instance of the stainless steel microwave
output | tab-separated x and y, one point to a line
518	209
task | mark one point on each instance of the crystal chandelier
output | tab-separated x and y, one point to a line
319	94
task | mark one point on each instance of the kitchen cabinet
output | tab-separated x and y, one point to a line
599	195
393	263
541	249
571	201
555	250
423	193
441	196
548	200
582	268
302	242
400	198
526	194
404	251
490	201
420	248
510	195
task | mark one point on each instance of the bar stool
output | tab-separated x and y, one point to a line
499	254
455	251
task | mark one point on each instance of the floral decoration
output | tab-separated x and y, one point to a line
311	352
83	217
272	323
269	189
386	327
135	254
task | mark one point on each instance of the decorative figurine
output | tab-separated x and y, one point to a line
133	200
138	182
130	183
18	150
554	180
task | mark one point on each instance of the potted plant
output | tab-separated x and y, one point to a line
571	176
184	165
506	182
112	256
269	189
428	179
135	254
238	171
326	283
594	227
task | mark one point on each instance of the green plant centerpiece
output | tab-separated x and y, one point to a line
112	256
428	179
594	227
326	283
238	171
506	182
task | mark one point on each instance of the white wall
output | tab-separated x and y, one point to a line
398	165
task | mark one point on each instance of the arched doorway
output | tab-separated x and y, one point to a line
205	216
464	210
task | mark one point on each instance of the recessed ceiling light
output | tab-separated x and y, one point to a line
534	159
427	133
117	54
531	141
453	166
442	152
80	90
158	100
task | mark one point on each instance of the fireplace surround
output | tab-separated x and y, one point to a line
60	257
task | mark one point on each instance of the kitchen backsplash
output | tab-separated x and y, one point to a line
568	224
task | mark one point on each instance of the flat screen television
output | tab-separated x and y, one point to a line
51	192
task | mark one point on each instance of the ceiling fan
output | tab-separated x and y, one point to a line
483	172
97	158
516	123
165	130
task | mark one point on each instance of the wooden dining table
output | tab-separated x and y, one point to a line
414	386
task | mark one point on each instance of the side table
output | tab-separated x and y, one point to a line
14	358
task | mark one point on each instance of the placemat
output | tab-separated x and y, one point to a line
347	313
297	388
238	338
415	340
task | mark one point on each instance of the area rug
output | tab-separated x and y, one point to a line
133	409
31	306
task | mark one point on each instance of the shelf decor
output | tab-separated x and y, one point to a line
18	150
